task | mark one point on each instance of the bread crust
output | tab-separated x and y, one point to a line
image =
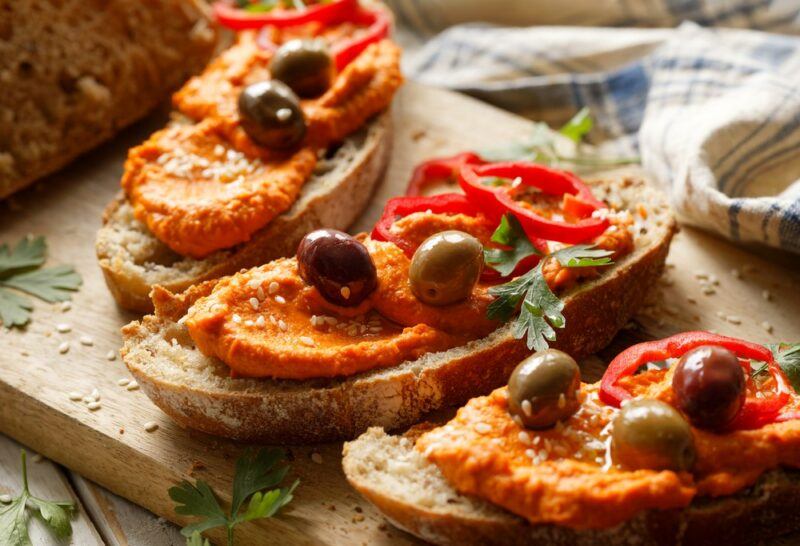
766	510
334	203
284	412
93	71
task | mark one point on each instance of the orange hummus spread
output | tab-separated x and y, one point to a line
267	322
207	186
564	475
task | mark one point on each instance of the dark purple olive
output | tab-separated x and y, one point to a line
709	386
270	114
304	65
339	266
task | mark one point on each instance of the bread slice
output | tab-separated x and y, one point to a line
75	72
134	261
414	495
198	392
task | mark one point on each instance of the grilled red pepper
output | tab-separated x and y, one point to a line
377	23
398	207
441	168
498	199
329	13
755	413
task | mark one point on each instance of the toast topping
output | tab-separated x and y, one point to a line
602	465
198	194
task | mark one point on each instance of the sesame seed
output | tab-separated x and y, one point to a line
282	325
5	498
66	306
254	303
236	318
305	340
331	321
86	340
260	322
524	437
720	314
63	348
767	326
95	394
691	300
482	428
345	291
273	287
316	457
123	381
151	426
733	319
530	453
260	293
133	386
766	295
248	323
701	275
94	406
709	290
272	320
526	408
75	396
280	299
63	328
111	355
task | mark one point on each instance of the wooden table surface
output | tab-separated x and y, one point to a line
752	295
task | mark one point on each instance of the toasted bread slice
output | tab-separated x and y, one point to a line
133	260
414	495
198	392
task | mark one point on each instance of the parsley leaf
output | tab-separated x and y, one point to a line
542	146
789	361
540	312
14	516
28	253
19	270
255	473
578	126
197	540
509	234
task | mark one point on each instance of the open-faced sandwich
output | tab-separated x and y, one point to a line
692	440
435	306
286	131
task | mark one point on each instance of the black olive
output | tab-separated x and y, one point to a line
446	267
270	114
543	389
709	386
339	266
304	65
650	434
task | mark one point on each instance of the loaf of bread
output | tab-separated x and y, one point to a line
74	72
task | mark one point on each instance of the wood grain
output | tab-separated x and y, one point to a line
110	445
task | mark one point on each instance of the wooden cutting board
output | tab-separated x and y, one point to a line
111	447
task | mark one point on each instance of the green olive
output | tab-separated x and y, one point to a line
304	65
270	114
651	434
446	267
543	389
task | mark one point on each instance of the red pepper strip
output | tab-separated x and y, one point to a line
484	197
756	412
577	207
441	168
238	19
398	207
377	23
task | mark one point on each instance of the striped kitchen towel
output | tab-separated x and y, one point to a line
711	106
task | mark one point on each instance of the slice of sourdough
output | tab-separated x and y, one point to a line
133	260
198	392
414	495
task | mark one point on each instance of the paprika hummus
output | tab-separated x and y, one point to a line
565	475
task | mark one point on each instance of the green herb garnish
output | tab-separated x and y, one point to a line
539	308
787	358
15	514
541	147
19	270
253	484
509	234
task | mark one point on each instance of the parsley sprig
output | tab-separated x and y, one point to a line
787	356
254	495
14	516
539	308
20	272
542	147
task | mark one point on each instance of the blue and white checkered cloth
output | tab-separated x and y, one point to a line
710	105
